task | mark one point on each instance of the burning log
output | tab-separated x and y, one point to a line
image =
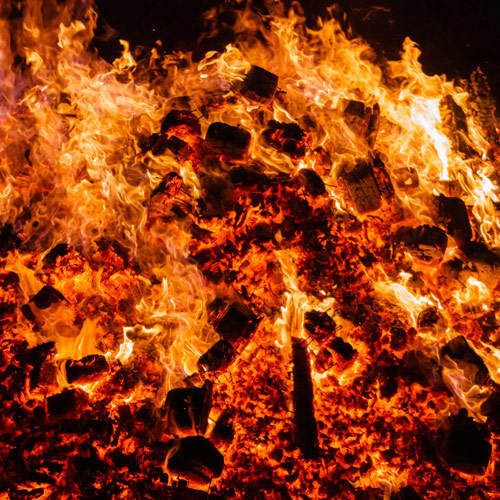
453	215
319	324
430	319
47	296
35	357
229	141
306	429
422	369
218	357
194	458
169	187
484	262
462	444
65	402
9	240
183	120
406	493
287	138
459	351
362	187
259	85
187	409
424	242
223	431
363	120
87	369
383	180
312	182
455	121
237	323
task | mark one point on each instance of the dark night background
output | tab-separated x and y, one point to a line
455	36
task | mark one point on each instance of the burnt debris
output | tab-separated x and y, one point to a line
231	142
259	85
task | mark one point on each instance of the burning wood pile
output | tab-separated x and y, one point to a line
272	273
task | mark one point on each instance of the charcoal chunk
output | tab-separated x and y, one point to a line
9	240
86	369
363	120
424	242
187	409
406	493
218	357
38	354
484	262
421	369
306	428
343	348
287	138
319	324
312	182
463	445
237	324
259	84
459	350
176	118
453	215
62	403
60	250
230	141
223	431
194	458
47	296
362	187
169	186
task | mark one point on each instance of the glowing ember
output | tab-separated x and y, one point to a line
272	273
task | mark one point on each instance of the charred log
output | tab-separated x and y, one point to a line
319	324
453	215
64	402
459	351
363	120
424	242
184	119
287	138
312	182
406	493
218	357
484	262
87	369
237	323
47	296
194	458
223	431
227	140
259	85
362	187
306	429
187	409
9	240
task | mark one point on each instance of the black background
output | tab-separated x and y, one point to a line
455	36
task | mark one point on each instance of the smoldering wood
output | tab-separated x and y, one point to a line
484	262
60	250
383	179
237	323
340	346
454	120
223	431
47	296
424	242
194	458
373	126
419	368
430	318
86	369
460	351
463	444
187	409
9	240
287	138
218	357
454	217
319	324
306	429
362	187
176	118
259	85
406	493
182	492
169	186
312	182
62	403
230	141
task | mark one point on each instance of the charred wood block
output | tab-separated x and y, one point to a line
424	242
373	125
178	147
60	250
47	296
421	369
237	324
406	493
62	403
343	348
484	262
453	215
185	119
38	354
383	179
287	138
430	318
259	84
8	240
362	187
319	324
182	492
463	445
358	116
312	182
223	431
187	409
218	357
86	369
230	141
459	351
194	458
169	186
306	429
